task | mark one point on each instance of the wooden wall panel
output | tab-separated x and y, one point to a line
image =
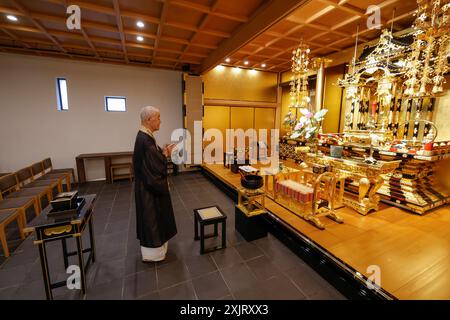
242	118
265	119
224	117
333	99
193	101
240	84
217	117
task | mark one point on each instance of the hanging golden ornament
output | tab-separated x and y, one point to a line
428	61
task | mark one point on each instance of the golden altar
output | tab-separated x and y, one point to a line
366	177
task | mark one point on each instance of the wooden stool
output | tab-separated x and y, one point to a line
207	216
117	166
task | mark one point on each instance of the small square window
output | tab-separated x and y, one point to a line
61	94
116	104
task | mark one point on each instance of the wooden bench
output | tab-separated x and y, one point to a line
9	185
6	217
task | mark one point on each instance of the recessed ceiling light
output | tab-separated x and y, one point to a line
140	24
140	38
11	17
246	62
227	60
263	65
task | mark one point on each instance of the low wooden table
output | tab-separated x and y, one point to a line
53	228
107	158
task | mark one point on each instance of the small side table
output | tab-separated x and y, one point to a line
49	229
251	202
207	216
248	214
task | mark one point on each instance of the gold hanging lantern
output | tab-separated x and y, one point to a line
299	81
428	61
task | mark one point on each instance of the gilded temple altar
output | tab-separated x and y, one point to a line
367	177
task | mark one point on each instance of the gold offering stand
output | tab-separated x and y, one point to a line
324	188
309	176
271	176
367	177
251	202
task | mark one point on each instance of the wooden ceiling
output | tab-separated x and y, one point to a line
195	33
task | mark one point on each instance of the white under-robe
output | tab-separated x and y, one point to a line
154	254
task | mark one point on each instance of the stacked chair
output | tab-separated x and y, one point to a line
26	189
41	179
68	173
6	217
13	209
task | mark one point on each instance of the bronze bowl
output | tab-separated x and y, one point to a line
252	181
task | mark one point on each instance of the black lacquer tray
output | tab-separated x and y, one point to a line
54	213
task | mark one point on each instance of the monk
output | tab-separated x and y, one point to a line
155	220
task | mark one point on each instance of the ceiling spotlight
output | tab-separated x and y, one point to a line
227	60
140	24
246	62
263	65
11	17
140	38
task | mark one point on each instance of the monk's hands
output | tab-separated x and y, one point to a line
167	151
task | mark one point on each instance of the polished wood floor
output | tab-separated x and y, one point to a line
413	252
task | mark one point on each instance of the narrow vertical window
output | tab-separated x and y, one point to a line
61	93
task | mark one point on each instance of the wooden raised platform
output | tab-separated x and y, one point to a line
413	252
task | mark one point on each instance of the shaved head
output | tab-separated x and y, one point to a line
148	112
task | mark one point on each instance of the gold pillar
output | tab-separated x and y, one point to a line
319	65
320	83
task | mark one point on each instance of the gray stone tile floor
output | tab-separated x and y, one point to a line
261	269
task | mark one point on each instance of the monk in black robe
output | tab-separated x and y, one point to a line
155	221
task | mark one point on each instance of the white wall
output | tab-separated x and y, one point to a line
31	127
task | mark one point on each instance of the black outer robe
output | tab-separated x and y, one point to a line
155	220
